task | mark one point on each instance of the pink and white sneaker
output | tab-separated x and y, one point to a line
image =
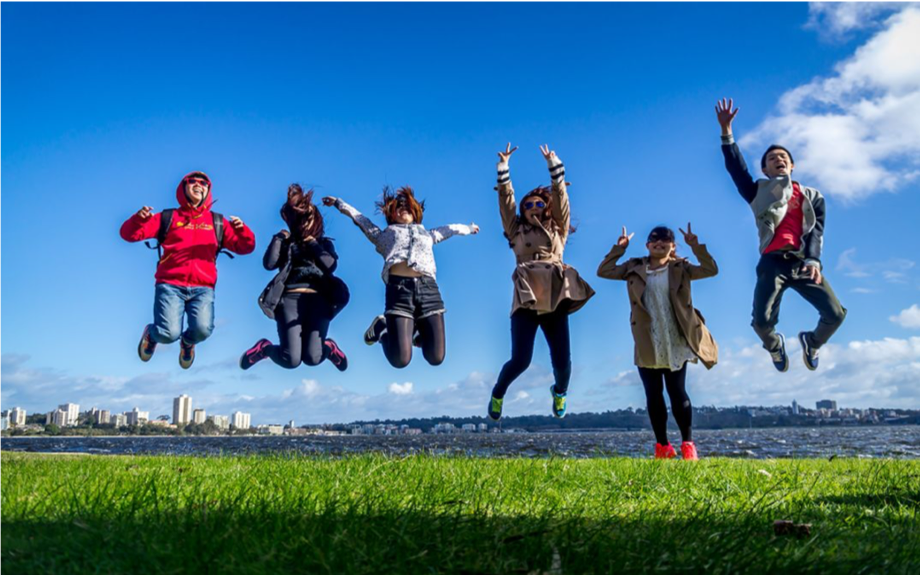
665	451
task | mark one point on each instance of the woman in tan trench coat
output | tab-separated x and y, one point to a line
668	331
546	290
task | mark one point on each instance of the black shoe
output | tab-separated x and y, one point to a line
377	328
809	352
780	359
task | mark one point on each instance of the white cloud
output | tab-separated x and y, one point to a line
835	19
892	270
400	389
909	318
857	132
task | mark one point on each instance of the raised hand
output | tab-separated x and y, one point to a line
548	154
473	227
725	115
690	237
329	201
813	273
506	155
145	212
623	241
236	222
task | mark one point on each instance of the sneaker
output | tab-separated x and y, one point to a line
809	352
665	451
558	402
147	346
688	451
495	408
377	328
335	354
186	354
254	354
779	357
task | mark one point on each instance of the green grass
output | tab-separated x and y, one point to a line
427	514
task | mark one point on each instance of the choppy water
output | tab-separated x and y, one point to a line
880	441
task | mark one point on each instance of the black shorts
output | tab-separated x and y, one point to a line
415	298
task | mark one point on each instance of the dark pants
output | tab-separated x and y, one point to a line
654	380
524	325
303	322
778	271
397	341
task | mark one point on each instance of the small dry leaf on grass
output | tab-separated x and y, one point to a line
783	527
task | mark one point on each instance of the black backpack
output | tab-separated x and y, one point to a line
166	217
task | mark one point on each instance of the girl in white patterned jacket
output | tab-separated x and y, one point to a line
413	300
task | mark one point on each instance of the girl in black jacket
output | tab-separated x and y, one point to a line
301	297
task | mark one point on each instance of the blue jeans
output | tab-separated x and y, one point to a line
170	302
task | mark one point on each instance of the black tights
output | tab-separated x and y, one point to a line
303	322
524	325
397	341
675	381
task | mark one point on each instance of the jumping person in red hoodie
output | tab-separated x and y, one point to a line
192	237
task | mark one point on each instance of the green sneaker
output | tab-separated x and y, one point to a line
495	408
558	403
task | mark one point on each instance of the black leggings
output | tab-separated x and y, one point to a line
653	380
303	322
524	324
397	341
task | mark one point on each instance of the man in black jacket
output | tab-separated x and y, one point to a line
790	226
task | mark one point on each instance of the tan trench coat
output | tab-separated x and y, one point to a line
689	319
541	280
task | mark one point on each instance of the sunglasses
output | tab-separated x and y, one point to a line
653	239
531	205
199	181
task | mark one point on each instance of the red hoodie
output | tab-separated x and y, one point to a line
190	247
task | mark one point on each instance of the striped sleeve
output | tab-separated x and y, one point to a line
556	170
504	174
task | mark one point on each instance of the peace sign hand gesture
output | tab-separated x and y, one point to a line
506	155
690	237
548	155
623	241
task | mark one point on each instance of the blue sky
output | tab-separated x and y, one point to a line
106	106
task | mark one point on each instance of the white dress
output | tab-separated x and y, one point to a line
671	348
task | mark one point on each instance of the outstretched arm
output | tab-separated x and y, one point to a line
814	242
734	161
560	206
441	233
707	267
368	227
507	206
609	268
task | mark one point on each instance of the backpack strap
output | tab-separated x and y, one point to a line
219	232
166	217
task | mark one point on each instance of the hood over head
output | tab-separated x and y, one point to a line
183	199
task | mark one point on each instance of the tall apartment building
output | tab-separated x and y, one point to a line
221	421
57	417
102	416
72	413
119	420
241	420
137	417
827	404
198	416
17	416
182	410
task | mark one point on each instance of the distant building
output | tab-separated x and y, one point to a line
828	404
795	407
17	416
221	421
182	410
444	428
198	416
57	417
468	428
137	417
119	420
272	429
102	416
71	414
5	421
241	420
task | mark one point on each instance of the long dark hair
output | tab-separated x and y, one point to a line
404	196
545	194
296	213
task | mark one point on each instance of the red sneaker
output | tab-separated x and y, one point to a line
254	354
688	451
335	354
665	451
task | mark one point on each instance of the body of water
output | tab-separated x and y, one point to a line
877	441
